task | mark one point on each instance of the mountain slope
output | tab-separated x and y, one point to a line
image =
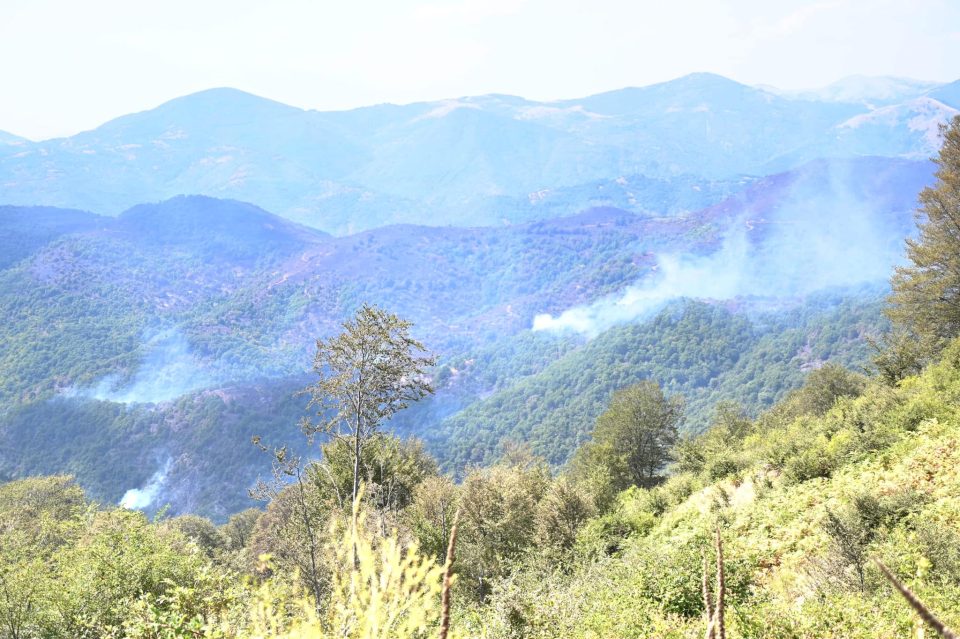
911	129
23	230
802	499
9	138
249	292
948	94
221	230
870	90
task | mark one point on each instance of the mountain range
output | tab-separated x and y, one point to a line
668	148
187	325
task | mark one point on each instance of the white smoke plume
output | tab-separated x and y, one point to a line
168	370
140	498
674	276
820	236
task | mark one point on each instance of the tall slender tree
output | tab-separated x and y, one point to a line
373	369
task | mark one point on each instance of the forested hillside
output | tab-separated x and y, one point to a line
843	470
706	353
189	324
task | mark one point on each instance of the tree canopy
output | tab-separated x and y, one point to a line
926	292
633	438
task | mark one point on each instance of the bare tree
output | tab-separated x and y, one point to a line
714	612
285	467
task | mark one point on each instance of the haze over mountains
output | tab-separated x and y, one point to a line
164	276
475	160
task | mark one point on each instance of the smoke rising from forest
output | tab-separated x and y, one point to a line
139	498
819	236
168	370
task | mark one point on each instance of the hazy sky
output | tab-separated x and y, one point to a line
68	65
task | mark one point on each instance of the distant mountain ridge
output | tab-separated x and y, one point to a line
469	161
869	90
10	138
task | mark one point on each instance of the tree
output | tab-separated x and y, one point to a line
38	518
824	386
239	527
431	514
292	529
498	517
392	468
634	437
897	355
200	531
714	451
366	374
297	506
563	510
926	292
118	557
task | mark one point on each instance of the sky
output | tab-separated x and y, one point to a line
67	66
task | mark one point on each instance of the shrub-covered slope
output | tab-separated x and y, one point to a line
804	499
842	471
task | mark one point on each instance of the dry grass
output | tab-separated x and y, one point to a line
916	604
716	626
448	579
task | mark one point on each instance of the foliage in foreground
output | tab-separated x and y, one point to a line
845	470
71	570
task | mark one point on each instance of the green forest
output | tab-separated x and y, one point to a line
834	512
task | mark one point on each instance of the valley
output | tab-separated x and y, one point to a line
189	324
